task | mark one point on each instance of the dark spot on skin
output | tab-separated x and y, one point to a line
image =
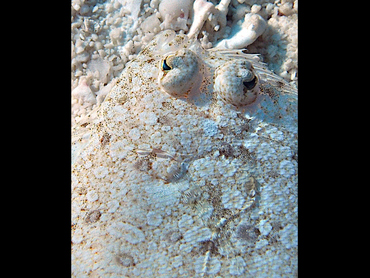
295	156
243	152
247	233
280	84
124	259
239	151
105	139
209	245
143	164
93	216
276	226
81	191
273	240
226	150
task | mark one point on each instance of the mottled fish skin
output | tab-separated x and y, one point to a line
192	179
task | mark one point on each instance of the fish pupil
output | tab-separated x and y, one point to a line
165	66
250	84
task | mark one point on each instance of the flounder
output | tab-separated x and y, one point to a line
188	168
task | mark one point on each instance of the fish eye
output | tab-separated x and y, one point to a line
235	82
179	73
165	67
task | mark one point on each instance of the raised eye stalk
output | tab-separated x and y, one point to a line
235	83
179	73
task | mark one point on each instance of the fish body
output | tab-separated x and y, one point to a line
188	168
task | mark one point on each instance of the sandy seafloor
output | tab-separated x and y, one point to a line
105	35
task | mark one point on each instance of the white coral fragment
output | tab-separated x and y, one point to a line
245	34
217	20
83	93
151	24
175	14
202	9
